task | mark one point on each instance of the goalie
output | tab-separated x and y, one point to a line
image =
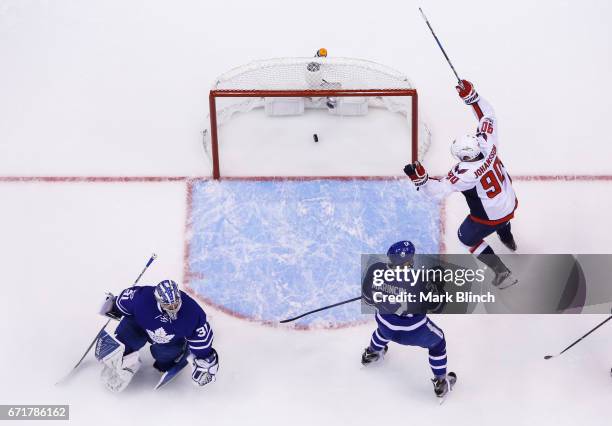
315	80
481	177
167	318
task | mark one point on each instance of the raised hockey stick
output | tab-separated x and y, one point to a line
93	342
579	340
320	309
439	44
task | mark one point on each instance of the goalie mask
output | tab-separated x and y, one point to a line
465	148
168	297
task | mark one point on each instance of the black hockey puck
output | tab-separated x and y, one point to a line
315	137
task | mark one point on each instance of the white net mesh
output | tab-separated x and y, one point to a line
314	74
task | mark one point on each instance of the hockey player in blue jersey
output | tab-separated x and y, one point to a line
167	318
408	328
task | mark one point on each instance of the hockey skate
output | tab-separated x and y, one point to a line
509	243
504	280
369	356
443	386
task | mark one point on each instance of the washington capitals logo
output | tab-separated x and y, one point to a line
459	171
160	335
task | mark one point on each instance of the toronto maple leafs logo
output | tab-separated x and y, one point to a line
160	335
163	318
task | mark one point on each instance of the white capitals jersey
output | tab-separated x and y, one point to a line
486	185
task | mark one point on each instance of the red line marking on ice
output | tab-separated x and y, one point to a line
155	179
93	179
442	244
137	179
308	178
552	178
187	232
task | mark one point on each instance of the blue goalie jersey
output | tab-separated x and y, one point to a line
191	325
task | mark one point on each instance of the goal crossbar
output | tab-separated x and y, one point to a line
238	93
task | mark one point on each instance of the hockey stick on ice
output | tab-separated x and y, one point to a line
151	259
320	309
439	44
579	340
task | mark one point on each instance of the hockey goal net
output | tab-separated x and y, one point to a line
295	87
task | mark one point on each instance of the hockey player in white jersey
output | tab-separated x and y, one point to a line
481	177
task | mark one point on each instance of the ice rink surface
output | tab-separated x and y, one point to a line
281	246
119	89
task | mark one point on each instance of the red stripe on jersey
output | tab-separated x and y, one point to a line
477	110
497	221
473	249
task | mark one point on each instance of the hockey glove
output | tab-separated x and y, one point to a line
108	308
205	369
467	92
417	174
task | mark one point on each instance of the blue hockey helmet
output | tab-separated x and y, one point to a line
401	252
168	296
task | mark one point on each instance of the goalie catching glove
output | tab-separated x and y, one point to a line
205	369
417	174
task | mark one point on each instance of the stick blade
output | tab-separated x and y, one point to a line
549	356
64	379
169	375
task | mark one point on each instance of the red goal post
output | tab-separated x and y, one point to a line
353	78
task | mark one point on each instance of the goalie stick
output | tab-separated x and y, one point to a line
171	374
93	342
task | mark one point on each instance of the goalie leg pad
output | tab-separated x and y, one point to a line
108	349
116	378
118	369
